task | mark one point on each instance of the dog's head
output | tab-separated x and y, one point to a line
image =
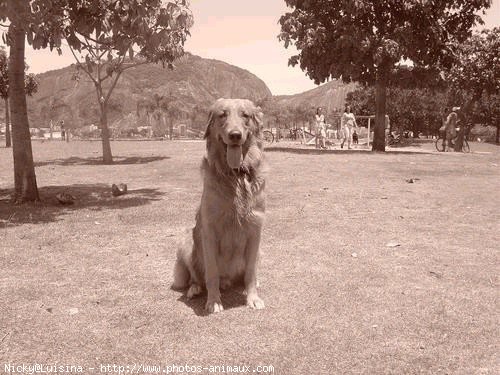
233	129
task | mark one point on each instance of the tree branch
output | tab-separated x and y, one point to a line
112	87
90	50
102	54
108	45
81	65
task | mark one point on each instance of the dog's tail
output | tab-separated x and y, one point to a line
182	276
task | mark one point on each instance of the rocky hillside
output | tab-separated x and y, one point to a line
195	83
330	96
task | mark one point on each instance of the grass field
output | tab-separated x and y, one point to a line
89	284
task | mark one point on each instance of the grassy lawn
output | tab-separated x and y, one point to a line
88	284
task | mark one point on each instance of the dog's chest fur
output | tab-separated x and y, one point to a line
236	197
233	207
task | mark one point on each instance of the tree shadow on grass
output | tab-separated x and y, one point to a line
313	151
231	298
93	196
97	160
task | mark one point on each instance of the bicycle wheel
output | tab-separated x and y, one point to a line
465	146
439	143
268	136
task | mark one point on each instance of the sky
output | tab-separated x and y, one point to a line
239	32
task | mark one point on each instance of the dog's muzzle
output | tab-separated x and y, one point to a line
234	148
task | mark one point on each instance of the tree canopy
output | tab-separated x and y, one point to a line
477	64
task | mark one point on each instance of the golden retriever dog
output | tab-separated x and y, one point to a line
225	241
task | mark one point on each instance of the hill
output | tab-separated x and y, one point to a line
194	83
330	96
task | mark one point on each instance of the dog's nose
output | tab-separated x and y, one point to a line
235	136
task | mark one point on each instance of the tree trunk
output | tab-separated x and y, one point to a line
24	169
107	156
8	140
380	103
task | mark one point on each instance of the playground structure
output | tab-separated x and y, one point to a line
306	134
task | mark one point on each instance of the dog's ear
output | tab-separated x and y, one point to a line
258	118
209	124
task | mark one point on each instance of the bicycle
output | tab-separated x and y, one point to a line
439	143
268	136
392	140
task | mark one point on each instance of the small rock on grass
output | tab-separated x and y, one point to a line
437	275
65	198
393	244
73	311
412	180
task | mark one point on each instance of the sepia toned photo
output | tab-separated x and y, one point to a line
249	187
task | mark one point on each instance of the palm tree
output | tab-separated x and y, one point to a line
161	112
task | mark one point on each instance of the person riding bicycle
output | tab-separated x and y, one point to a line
450	128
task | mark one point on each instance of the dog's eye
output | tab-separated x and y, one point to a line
223	114
245	115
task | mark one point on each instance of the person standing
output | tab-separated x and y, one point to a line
347	123
63	131
450	128
442	128
320	129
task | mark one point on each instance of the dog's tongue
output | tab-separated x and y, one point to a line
234	156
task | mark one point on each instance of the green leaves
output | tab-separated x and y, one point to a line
30	81
477	67
30	84
4	73
352	39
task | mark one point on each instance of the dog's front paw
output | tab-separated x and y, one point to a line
193	291
254	302
214	306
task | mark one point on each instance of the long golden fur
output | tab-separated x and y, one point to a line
226	237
